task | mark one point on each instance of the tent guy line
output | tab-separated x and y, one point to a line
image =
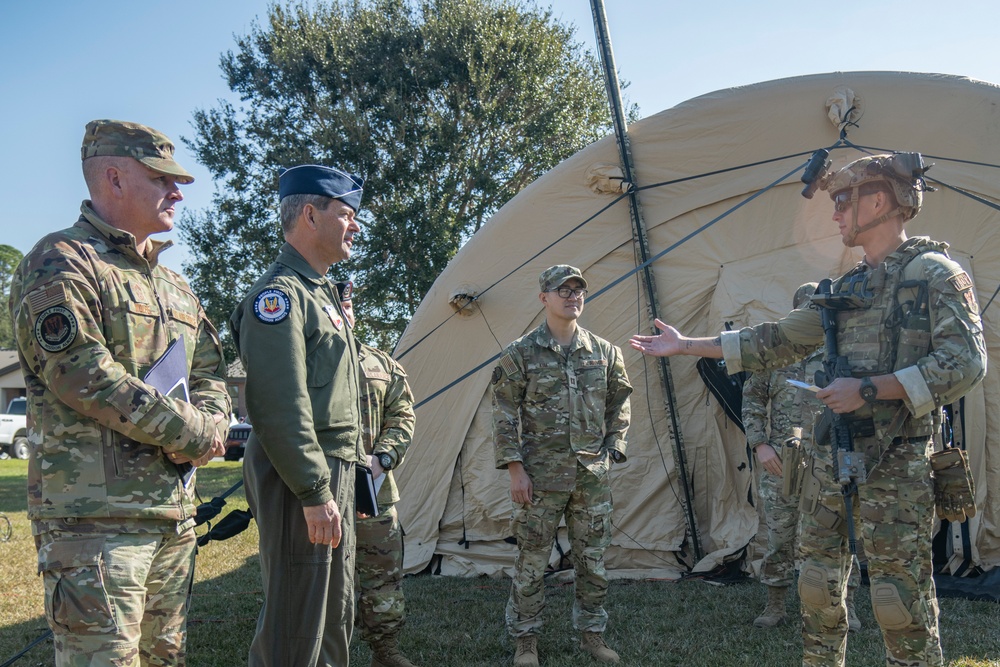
842	143
607	287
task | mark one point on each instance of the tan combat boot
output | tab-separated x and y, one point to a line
774	612
526	654
853	622
385	653
593	643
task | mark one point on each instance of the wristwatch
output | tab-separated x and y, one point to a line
385	460
616	456
868	390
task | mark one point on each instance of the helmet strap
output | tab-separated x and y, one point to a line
857	229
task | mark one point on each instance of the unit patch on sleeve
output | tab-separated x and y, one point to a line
961	281
56	328
271	306
963	285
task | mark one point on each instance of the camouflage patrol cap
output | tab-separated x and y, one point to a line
555	276
125	139
901	172
803	293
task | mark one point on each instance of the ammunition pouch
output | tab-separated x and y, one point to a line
809	504
860	427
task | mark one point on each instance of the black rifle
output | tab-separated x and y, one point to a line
850	466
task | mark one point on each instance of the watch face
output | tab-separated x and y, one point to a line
385	461
868	390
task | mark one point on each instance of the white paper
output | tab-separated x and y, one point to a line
802	385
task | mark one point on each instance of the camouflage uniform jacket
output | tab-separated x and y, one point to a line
301	362
386	413
91	317
953	357
789	405
572	405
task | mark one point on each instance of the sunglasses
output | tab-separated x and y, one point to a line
843	201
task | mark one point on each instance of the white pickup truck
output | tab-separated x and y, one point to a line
14	430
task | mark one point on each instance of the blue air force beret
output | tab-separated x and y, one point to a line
345	289
313	179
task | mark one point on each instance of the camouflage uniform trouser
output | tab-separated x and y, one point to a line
380	576
894	515
782	518
587	509
117	599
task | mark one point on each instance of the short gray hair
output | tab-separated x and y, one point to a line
94	168
292	205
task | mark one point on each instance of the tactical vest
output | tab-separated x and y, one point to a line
889	329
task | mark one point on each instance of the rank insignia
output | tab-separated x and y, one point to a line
272	306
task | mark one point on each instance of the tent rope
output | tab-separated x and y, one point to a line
840	144
617	281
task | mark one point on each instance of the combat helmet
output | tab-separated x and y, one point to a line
902	172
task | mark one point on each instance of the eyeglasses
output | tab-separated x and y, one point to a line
567	292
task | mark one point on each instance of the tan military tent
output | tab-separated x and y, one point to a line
731	238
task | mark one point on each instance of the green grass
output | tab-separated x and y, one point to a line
458	622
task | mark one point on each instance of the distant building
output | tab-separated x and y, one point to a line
11	378
236	382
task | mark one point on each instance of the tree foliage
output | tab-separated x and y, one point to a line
10	257
447	108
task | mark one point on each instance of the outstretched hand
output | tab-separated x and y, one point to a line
666	344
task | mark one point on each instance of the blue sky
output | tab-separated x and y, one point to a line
63	63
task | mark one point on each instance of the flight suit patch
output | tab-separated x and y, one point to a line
272	306
334	316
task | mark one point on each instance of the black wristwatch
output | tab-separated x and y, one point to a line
385	460
616	456
868	390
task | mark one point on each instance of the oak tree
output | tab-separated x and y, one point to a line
448	108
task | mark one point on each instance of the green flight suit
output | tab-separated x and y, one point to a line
302	397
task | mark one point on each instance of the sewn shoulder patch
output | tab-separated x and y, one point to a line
45	297
961	281
374	371
56	328
272	306
508	365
